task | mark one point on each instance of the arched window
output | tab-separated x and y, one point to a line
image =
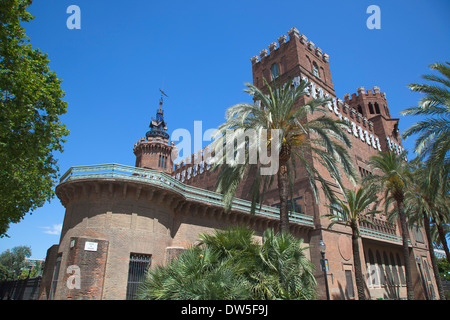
274	71
316	70
377	108
371	108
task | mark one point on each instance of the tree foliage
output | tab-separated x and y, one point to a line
434	131
30	128
230	264
392	176
13	261
301	142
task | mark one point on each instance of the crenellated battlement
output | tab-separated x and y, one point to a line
293	35
370	103
193	165
361	92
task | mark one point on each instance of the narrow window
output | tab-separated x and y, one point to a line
316	70
387	111
400	269
274	71
323	75
349	280
374	279
55	278
394	270
139	263
159	161
371	108
377	108
390	280
380	265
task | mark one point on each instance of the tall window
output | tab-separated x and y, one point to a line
387	111
349	280
400	270
55	278
316	70
373	275
390	279
139	263
377	108
274	71
371	108
394	270
380	265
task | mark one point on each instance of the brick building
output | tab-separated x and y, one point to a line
122	220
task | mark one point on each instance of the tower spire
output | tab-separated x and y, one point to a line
155	151
158	126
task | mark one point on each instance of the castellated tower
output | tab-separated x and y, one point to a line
154	151
373	106
292	58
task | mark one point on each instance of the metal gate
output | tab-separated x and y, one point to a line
139	264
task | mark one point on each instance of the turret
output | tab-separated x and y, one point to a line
373	105
291	58
155	151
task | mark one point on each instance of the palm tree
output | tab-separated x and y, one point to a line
393	179
354	209
422	201
434	132
283	270
300	141
231	265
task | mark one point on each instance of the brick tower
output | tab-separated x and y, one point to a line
296	57
154	151
373	106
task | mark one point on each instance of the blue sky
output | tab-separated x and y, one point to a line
112	68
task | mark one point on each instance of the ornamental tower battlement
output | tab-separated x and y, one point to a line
293	57
372	104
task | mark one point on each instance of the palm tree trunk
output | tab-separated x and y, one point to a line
357	262
405	249
426	223
283	189
441	233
